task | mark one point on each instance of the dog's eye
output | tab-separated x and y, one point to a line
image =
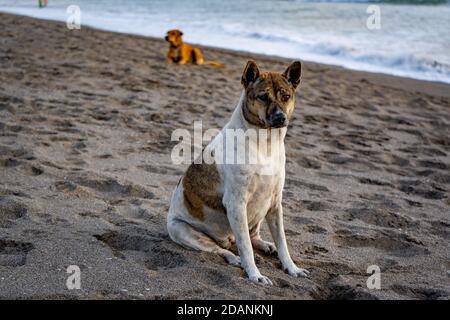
285	97
264	97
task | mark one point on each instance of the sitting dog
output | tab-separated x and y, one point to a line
182	53
218	204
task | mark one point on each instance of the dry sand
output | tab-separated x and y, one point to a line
86	177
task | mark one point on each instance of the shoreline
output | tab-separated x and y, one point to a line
442	90
86	177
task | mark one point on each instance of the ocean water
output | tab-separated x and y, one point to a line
413	39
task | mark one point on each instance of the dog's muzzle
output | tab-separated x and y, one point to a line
278	119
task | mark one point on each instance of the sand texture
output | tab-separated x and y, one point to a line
86	176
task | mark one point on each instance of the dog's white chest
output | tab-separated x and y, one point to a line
264	190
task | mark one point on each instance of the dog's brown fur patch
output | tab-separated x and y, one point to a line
200	189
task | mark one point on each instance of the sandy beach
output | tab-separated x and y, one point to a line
86	118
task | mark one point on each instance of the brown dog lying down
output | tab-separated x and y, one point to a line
182	53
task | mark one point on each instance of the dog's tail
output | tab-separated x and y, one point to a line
213	63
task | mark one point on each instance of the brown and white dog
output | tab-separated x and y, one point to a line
218	204
182	53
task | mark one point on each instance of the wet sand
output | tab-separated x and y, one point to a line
86	177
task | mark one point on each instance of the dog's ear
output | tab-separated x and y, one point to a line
251	73
293	73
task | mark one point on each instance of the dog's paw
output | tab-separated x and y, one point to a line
267	247
260	279
234	261
295	271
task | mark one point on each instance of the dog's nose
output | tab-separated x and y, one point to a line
167	38
278	119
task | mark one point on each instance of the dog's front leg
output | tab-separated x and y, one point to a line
237	216
275	221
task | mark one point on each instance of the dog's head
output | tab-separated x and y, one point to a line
270	96
174	37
